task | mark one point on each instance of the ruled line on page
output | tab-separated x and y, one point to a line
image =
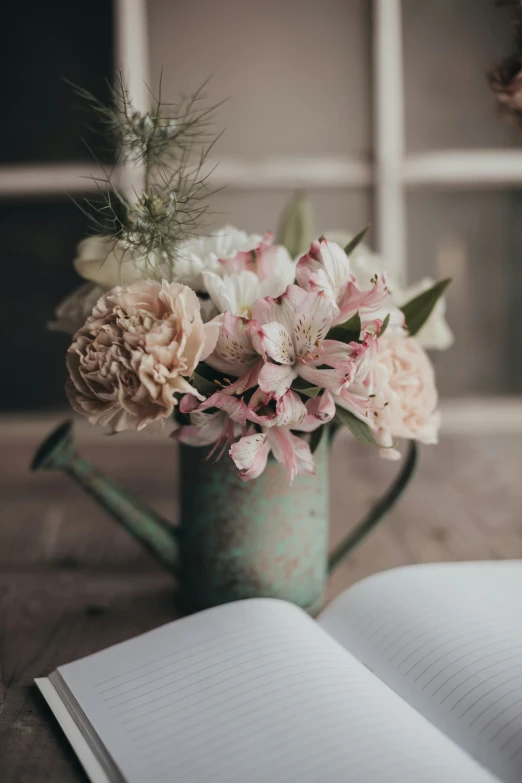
201	690
272	642
223	703
450	643
438	647
184	678
240	714
224	639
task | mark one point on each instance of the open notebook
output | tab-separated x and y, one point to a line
412	675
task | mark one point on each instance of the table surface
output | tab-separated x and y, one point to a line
73	582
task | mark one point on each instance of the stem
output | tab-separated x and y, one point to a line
378	511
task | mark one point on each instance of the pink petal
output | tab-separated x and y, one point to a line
292	452
247	381
234	352
235	408
188	403
366	302
250	455
277	342
319	411
276	379
337	354
355	398
204	429
312	321
325	267
333	379
281	309
290	410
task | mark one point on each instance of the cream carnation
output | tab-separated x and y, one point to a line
405	402
134	353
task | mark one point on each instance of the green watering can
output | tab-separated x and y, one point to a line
236	539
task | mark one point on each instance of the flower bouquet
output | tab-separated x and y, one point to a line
244	346
247	351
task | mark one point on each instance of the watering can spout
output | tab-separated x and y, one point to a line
57	452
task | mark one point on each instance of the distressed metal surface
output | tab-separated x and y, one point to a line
258	538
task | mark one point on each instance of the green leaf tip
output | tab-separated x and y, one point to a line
296	228
384	325
418	310
348	332
358	238
359	429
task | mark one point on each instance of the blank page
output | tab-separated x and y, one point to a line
447	638
254	691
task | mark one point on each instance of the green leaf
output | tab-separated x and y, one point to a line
358	238
358	428
302	387
418	310
315	438
296	228
348	332
384	325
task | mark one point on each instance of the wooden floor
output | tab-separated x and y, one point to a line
72	582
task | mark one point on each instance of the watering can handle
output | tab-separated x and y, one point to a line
378	510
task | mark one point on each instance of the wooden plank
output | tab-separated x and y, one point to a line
46	620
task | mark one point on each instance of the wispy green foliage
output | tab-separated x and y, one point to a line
168	146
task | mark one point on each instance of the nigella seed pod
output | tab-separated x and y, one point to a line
166	129
142	124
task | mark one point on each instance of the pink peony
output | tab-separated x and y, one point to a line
405	402
134	353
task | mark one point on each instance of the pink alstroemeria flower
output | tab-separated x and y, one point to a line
237	352
291	332
220	427
357	395
326	267
250	454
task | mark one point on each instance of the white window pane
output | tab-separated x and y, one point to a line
448	47
297	74
259	210
471	238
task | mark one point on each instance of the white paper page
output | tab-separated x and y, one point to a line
255	691
447	638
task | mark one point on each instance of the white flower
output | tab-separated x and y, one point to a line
108	263
435	333
236	293
202	254
235	268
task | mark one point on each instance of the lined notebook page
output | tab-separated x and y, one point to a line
254	691
448	638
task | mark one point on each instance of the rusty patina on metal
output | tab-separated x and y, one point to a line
264	537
